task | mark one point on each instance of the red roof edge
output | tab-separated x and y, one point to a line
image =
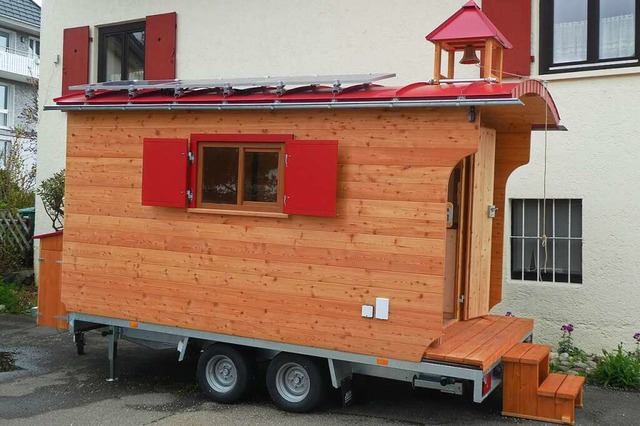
47	235
535	87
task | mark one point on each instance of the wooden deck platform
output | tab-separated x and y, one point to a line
481	341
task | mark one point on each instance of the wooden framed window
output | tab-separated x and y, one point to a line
263	174
578	35
240	176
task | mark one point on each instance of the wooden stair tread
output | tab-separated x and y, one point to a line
536	354
551	385
571	387
516	352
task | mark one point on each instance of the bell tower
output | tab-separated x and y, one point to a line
469	30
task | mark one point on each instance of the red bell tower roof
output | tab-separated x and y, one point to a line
469	25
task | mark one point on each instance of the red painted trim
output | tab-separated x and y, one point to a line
311	177
193	172
75	58
534	87
160	47
164	172
47	235
513	18
237	137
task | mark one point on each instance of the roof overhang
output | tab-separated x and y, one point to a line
524	104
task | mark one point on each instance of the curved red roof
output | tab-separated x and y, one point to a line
455	94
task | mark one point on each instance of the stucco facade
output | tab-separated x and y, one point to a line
594	161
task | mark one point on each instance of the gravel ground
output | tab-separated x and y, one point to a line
54	386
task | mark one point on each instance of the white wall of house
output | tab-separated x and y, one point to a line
597	160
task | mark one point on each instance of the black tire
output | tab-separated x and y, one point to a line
225	373
80	342
296	383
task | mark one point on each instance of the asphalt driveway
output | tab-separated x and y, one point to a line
54	386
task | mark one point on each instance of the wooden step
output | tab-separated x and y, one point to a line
558	397
531	392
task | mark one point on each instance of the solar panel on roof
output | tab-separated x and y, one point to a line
228	84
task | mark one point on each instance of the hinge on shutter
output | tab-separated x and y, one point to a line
189	195
190	157
461	299
286	160
284	199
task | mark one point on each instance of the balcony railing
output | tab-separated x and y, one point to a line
18	65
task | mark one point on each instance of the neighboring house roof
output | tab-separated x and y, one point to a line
21	10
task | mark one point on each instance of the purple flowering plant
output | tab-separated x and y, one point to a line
636	337
566	342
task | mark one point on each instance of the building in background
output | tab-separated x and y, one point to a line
578	194
19	64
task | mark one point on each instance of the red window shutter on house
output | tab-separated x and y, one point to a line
75	57
513	19
164	172
160	47
311	177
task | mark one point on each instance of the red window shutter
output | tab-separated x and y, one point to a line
311	177
160	47
75	57
513	19
164	172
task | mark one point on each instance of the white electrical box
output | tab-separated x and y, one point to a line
382	308
367	311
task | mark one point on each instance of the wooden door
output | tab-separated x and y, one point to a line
50	306
479	255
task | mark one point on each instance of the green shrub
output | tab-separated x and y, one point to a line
618	369
17	299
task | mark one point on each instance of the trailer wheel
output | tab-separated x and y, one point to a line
295	383
225	373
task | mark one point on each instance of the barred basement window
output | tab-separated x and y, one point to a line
560	260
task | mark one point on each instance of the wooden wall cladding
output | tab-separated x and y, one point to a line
477	303
298	280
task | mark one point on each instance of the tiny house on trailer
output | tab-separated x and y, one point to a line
323	223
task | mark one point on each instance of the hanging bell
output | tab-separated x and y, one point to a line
469	56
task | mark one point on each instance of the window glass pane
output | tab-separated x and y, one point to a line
569	31
617	28
531	262
516	258
562	260
261	176
113	58
576	261
576	218
135	58
4	39
3	106
220	175
546	260
562	218
546	221
516	218
531	218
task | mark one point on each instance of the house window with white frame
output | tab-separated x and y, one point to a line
579	35
4	106
546	240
